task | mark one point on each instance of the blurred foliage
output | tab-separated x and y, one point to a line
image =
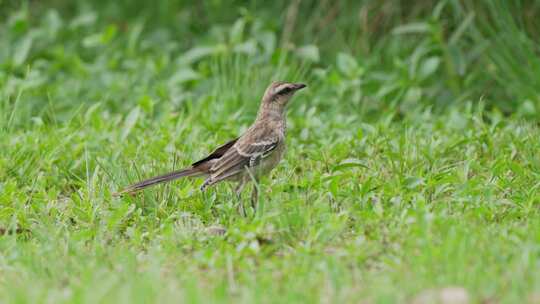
366	56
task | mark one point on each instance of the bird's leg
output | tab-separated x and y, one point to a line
254	191
254	197
238	194
206	183
202	189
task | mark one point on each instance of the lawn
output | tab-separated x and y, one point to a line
411	176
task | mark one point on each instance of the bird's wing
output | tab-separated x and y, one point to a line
219	152
247	152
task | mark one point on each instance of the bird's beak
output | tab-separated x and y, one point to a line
299	86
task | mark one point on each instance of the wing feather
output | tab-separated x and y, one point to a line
219	152
241	155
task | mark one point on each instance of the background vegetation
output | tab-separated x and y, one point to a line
412	173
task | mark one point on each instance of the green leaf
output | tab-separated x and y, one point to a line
413	96
347	64
130	122
429	66
268	42
22	50
456	36
92	40
308	52
183	75
411	28
350	163
85	19
197	53
108	35
119	214
413	182
134	36
146	103
527	108
91	110
249	47
18	22
237	31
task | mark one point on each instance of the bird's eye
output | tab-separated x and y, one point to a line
284	91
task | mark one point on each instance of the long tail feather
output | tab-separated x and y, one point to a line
158	180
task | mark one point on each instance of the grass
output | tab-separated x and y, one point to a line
400	180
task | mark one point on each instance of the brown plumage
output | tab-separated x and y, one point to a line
244	158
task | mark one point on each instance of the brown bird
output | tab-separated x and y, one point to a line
247	157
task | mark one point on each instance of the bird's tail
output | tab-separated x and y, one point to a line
158	180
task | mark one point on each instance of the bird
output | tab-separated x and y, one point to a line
245	158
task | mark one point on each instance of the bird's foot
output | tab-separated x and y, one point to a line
205	184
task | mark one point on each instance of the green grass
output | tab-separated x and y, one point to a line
402	176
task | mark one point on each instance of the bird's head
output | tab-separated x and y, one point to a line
279	92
